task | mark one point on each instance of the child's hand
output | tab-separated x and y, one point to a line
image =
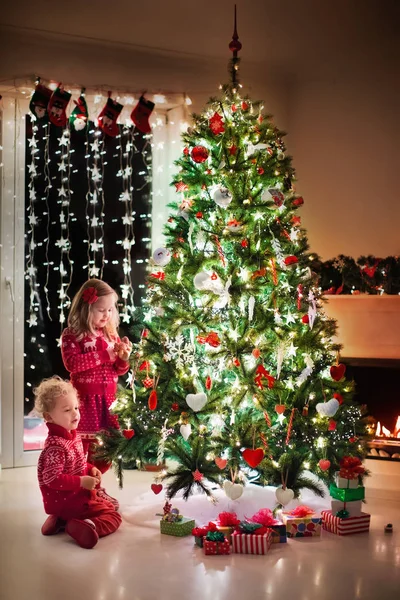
123	349
88	482
96	473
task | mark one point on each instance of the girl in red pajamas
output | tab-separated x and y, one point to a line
95	356
69	484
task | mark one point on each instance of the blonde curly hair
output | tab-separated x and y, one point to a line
48	391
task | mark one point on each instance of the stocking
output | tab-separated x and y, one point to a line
79	116
39	101
141	113
57	106
108	117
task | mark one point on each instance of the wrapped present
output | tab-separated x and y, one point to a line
199	533
348	526
173	523
216	543
302	522
348	484
347	495
266	518
353	509
351	468
251	543
226	524
177	528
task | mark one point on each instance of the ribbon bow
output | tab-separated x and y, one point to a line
301	511
264	517
227	519
215	536
246	527
351	467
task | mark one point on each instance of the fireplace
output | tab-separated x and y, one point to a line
378	387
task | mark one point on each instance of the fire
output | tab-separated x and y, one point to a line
382	431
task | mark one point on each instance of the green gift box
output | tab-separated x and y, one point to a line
179	528
347	495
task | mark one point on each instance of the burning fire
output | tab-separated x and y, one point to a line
382	431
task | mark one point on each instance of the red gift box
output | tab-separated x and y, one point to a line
216	547
345	526
251	543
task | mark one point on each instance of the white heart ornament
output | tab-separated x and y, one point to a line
233	490
327	409
196	401
185	430
284	496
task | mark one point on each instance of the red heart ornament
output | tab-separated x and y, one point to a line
280	408
221	463
337	371
253	457
156	487
128	433
324	464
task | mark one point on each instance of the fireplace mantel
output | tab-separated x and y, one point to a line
368	326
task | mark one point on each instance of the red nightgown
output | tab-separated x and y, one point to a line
95	376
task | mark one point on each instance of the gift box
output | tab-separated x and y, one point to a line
353	508
210	547
251	543
348	484
227	531
279	533
309	526
178	528
200	532
347	495
348	526
226	524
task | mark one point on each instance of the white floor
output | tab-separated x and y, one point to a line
137	563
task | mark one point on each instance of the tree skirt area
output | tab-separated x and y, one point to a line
143	510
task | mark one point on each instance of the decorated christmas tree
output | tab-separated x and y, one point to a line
236	376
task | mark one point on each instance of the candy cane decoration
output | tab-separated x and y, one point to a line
299	295
267	419
289	430
264	440
219	249
274	273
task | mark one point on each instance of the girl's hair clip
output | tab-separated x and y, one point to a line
90	295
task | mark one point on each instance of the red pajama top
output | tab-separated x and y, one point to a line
61	465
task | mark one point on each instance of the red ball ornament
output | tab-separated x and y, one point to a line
256	353
291	260
199	154
245	106
305	319
353	440
298	201
233	108
128	433
260	171
244	243
175	406
186	151
236	362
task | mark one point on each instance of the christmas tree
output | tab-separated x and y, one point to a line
236	376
